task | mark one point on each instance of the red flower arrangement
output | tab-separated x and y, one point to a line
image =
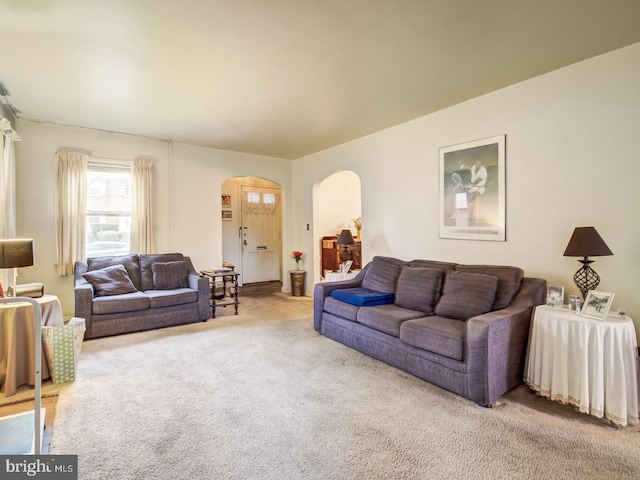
296	255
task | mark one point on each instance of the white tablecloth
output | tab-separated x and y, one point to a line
17	331
338	276
588	363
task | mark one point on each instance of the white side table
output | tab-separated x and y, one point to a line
588	363
337	276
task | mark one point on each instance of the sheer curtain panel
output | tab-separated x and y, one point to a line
71	206
141	213
7	187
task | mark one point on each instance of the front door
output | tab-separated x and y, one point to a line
261	240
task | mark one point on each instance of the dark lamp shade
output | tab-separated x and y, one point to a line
586	242
346	238
16	252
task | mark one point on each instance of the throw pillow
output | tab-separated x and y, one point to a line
418	288
382	275
466	295
170	275
113	280
131	264
509	279
147	260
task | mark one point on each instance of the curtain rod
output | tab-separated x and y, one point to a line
109	162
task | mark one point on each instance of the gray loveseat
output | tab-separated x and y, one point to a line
139	292
462	327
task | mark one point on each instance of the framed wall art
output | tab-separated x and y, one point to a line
226	201
472	190
227	215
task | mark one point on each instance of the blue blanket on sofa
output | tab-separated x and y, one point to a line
362	296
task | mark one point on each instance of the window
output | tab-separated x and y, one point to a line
108	218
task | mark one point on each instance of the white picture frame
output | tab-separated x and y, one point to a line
597	305
470	210
555	295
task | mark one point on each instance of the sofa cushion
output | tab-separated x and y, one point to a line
362	296
170	275
148	259
128	302
168	298
445	267
113	280
444	336
131	264
509	279
382	274
418	288
386	318
340	309
466	295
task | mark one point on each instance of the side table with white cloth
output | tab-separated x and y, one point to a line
584	362
339	276
17	331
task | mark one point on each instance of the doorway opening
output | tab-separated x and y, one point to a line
337	206
252	228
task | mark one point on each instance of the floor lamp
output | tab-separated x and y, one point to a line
16	253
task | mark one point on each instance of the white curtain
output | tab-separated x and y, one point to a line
141	238
7	187
71	207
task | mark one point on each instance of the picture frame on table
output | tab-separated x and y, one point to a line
555	295
597	305
472	190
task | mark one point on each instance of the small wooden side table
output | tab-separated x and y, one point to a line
230	289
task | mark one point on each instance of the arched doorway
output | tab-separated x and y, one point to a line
251	228
337	203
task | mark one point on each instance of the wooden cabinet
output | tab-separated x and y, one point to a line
330	254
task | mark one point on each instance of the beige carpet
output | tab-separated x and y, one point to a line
262	396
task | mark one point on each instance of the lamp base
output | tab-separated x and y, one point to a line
345	255
586	278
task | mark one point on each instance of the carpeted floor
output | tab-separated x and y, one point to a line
261	395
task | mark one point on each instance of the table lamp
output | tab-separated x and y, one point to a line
586	242
15	253
345	239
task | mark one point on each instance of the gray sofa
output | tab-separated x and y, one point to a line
139	292
462	327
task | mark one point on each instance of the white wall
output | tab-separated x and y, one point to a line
187	188
338	203
572	160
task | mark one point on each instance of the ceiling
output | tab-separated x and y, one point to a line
284	78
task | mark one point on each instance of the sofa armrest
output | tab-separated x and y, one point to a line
83	293
497	342
323	289
201	285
